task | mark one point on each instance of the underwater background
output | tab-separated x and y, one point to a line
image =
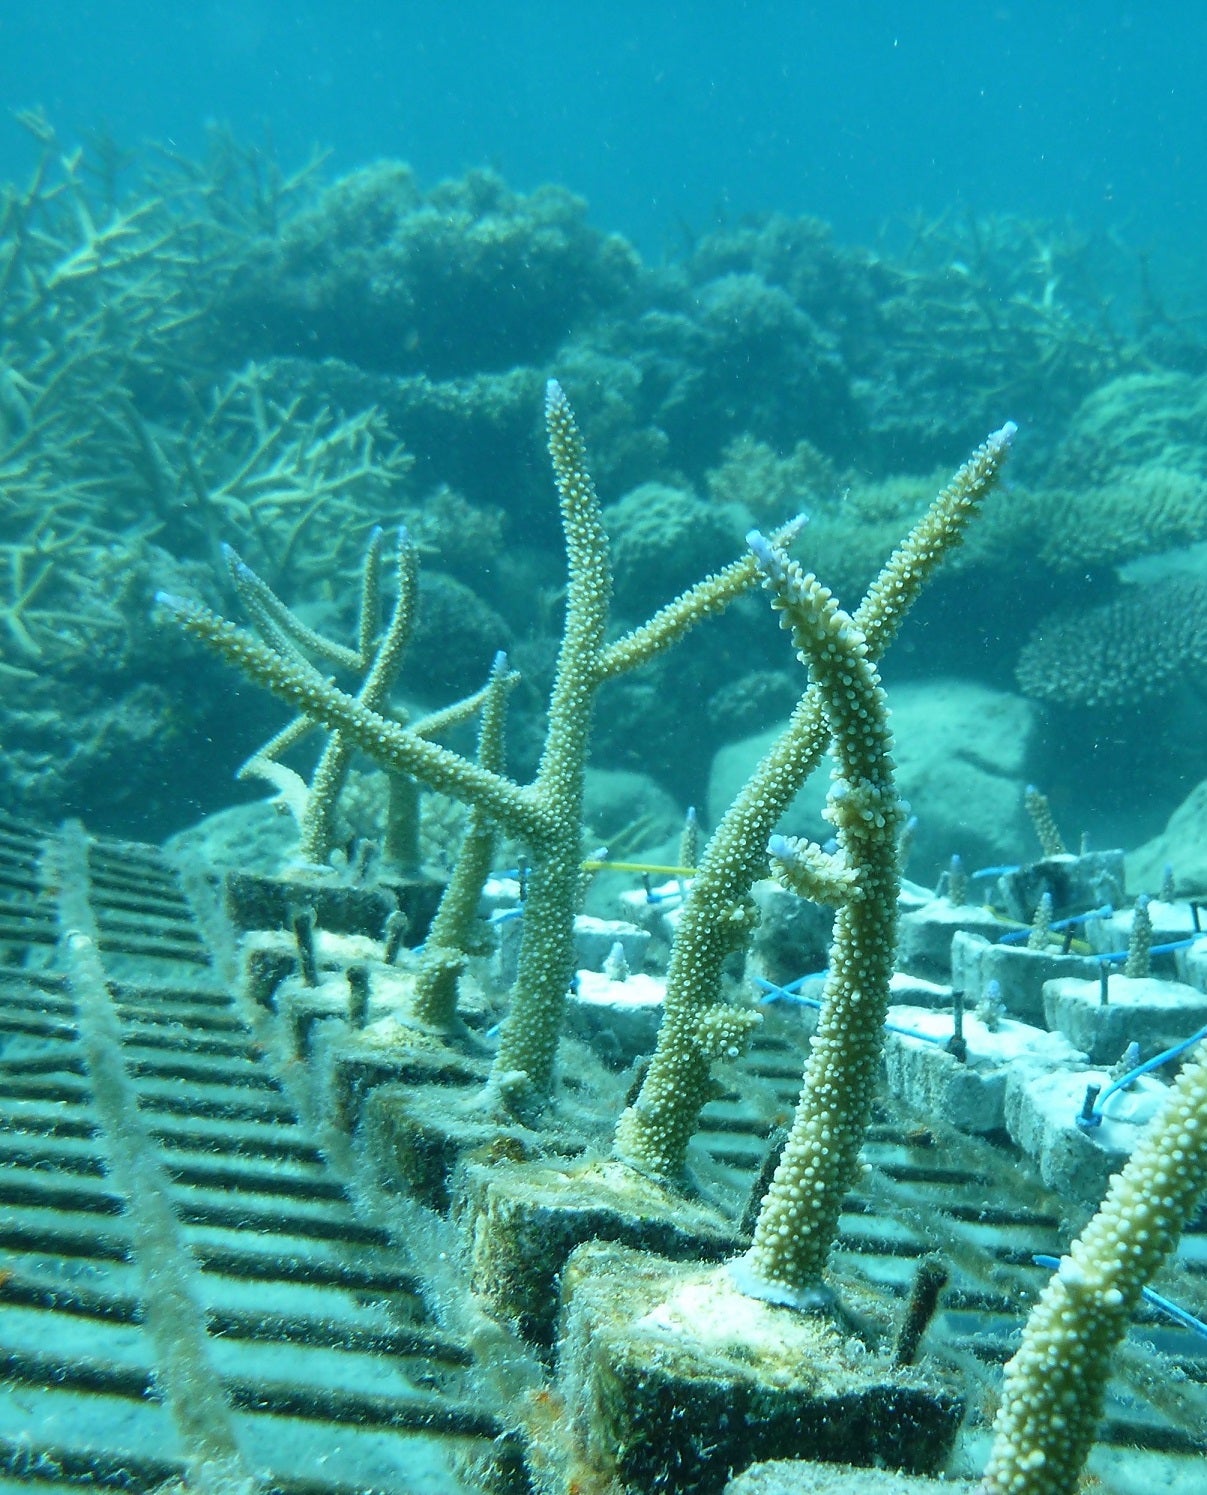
273	275
781	257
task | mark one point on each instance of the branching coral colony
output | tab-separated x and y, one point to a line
545	815
746	1380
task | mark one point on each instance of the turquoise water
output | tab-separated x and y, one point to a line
273	275
666	116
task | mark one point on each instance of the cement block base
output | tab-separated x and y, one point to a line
619	1019
414	1137
925	936
1170	922
523	1220
1041	1117
256	902
1191	965
350	1067
1152	1013
673	1378
1075	883
796	1477
968	1094
1019	972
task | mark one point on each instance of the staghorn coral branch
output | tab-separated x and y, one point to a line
1055	1384
719	914
811	873
707	599
376	659
523	1067
547	814
437	723
380	669
278	622
386	742
939	531
799	1219
435	997
368	616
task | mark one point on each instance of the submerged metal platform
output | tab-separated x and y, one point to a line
149	1153
189	1282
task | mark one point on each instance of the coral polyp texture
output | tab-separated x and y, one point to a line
719	915
1121	654
1055	1383
799	1217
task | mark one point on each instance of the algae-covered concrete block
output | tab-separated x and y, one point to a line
267	957
349	1067
925	935
1019	972
968	1094
1139	1009
619	1019
253	901
673	1378
415	1136
1041	1113
1075	883
797	1477
524	1219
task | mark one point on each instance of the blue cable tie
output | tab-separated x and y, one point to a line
654	897
1175	1311
1117	957
1105	912
792	993
1094	1116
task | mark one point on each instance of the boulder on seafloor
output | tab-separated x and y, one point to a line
1181	846
962	751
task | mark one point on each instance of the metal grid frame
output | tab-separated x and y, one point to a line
312	1322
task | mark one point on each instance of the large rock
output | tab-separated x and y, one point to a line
1182	845
962	752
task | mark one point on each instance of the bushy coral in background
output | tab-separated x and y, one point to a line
401	334
1120	655
1129	477
1125	423
753	474
662	537
466	277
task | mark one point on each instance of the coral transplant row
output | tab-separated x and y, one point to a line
222	383
777	1290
